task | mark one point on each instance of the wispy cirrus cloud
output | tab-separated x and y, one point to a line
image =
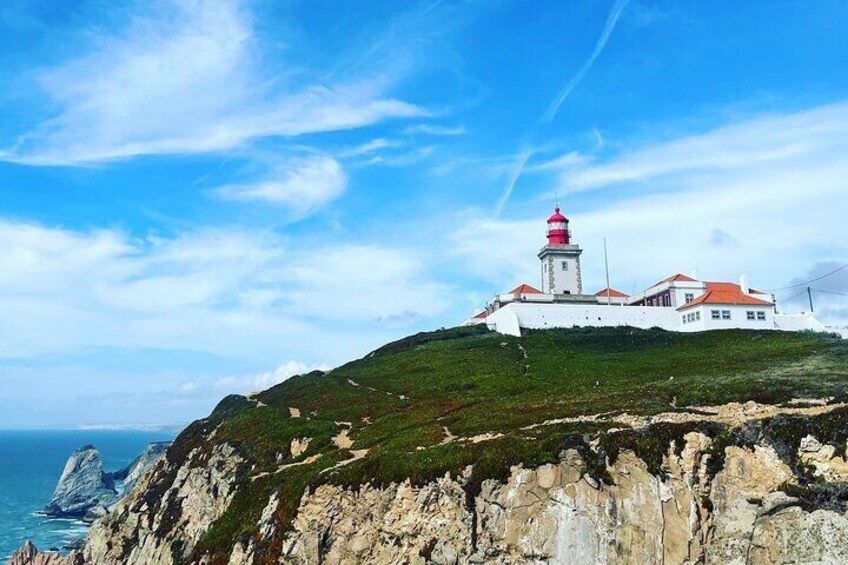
526	148
434	129
188	77
783	140
609	26
369	147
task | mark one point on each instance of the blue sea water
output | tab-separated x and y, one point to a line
31	463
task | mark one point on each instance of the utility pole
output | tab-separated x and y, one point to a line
606	268
810	297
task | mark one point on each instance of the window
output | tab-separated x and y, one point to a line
761	316
698	315
716	315
750	314
725	314
684	319
689	297
565	265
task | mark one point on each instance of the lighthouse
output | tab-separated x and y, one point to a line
560	259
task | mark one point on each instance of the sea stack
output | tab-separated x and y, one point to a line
84	490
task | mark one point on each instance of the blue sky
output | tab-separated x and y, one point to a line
204	197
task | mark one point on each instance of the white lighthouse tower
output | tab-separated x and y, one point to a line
560	259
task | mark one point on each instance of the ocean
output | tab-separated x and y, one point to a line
30	465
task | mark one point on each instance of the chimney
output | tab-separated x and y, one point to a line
743	284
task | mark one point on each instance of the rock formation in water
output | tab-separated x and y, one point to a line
84	490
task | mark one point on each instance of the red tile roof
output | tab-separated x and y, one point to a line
724	293
524	289
481	315
611	292
674	278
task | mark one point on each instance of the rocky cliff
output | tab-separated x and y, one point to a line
29	555
134	471
724	489
415	467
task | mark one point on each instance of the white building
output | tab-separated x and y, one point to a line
676	303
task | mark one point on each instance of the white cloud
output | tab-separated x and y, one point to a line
566	161
526	146
405	159
434	129
226	291
366	282
612	18
188	77
263	381
300	184
771	141
369	147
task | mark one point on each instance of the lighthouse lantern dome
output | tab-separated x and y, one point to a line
558	233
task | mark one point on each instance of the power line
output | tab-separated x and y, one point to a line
831	292
833	272
794	296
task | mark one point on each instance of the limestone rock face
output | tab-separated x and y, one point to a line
29	555
143	529
151	454
558	514
84	489
823	459
681	508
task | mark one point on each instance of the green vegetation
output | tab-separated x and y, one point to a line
415	404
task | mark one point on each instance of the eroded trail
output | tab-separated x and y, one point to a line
732	414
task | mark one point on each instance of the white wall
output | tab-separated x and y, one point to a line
738	318
797	322
510	318
680	289
614	300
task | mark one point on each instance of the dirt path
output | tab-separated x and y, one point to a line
732	414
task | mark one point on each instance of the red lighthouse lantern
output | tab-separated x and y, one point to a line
558	229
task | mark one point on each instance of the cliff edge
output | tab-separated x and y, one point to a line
462	446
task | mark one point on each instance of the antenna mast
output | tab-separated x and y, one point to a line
606	268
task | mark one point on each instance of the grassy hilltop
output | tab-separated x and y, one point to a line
418	404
